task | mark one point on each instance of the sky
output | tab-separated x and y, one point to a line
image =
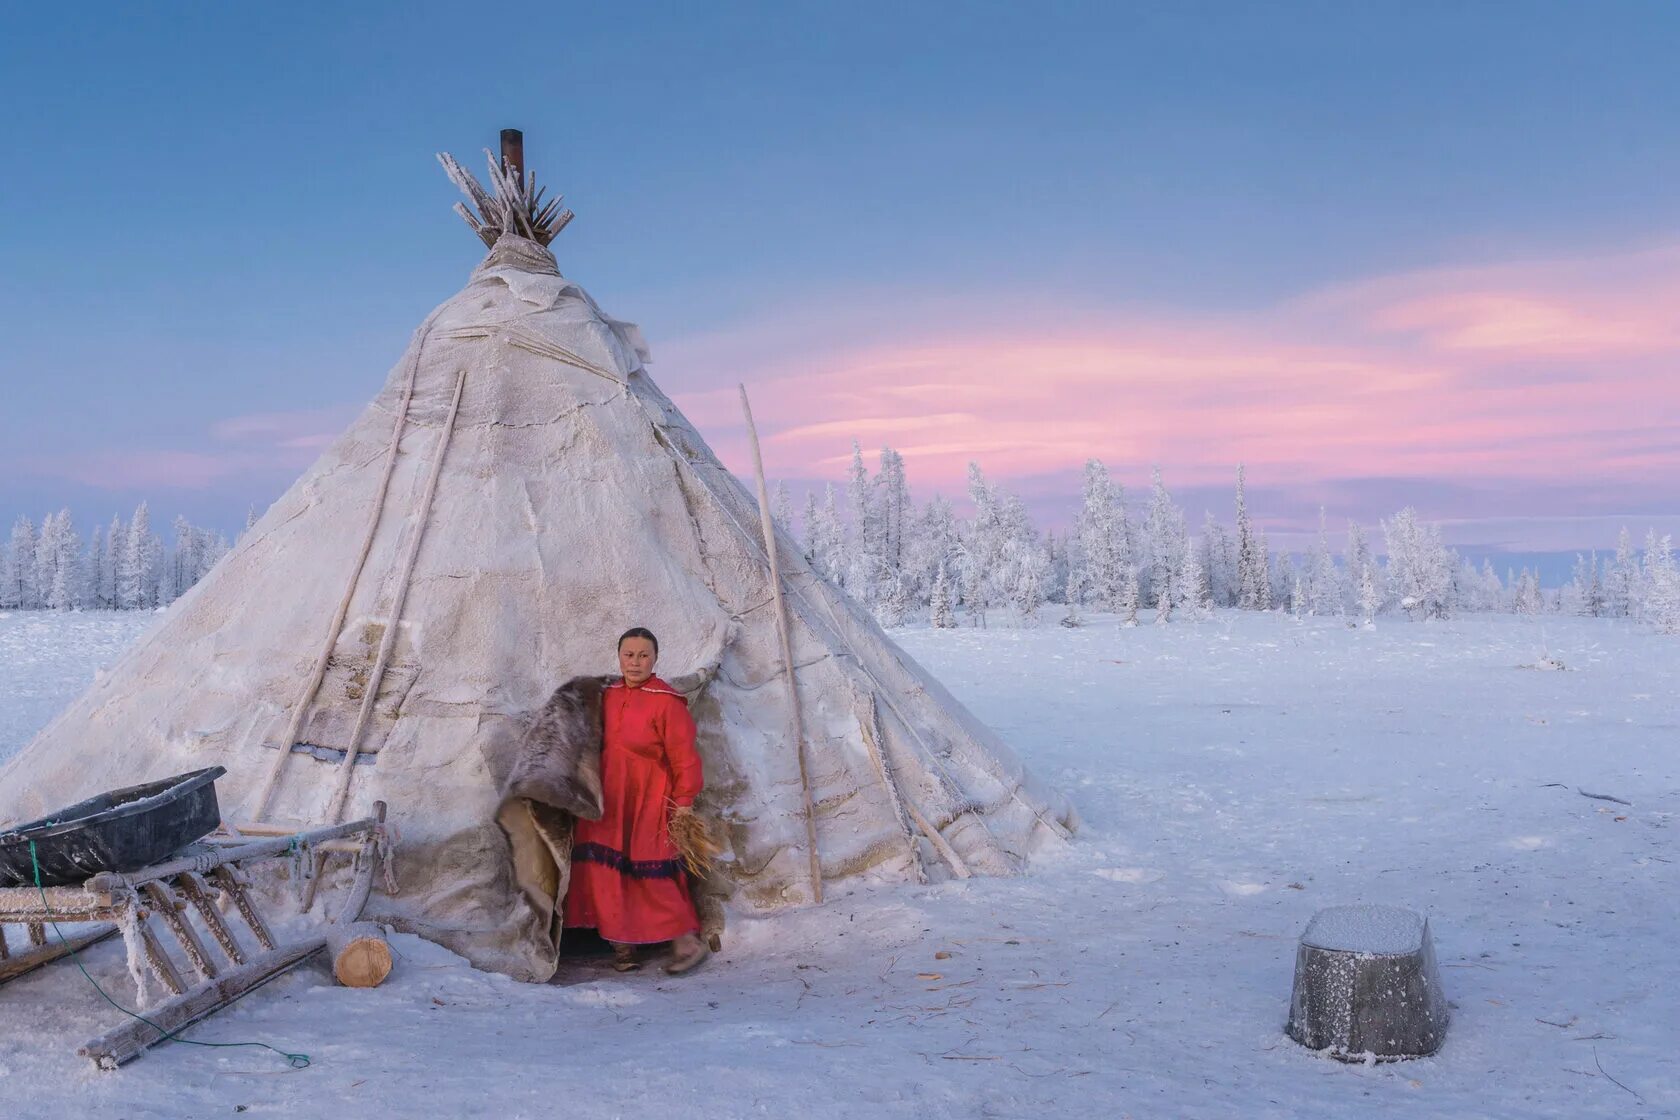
1422	254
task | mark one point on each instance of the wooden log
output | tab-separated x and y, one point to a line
127	1042
361	957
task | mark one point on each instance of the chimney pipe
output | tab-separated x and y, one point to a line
513	153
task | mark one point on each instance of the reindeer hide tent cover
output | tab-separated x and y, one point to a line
517	494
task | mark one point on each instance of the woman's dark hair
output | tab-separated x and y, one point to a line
639	632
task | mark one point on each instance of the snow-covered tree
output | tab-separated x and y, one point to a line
1254	591
822	534
95	564
116	540
862	570
1104	551
47	550
894	512
1621	581
1024	577
1163	534
781	508
1419	566
1219	560
932	546
940	613
1526	597
1660	582
1191	589
1126	606
17	578
137	574
1324	591
1369	597
1358	560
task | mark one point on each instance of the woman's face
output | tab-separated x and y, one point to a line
635	660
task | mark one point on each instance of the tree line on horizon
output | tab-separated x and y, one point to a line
123	566
901	561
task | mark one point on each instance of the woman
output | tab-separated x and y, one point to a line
627	877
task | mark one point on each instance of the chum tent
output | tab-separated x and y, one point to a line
517	494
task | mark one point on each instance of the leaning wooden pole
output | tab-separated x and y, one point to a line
796	719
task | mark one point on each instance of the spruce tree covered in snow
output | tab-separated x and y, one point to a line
1219	559
781	508
1358	560
1420	567
823	534
20	566
116	540
1370	597
1621	584
1660	580
1191	590
1526	597
1163	533
1127	605
933	546
1254	592
95	564
1100	532
894	512
863	534
1324	592
137	574
940	613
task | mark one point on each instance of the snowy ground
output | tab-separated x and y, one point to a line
1234	775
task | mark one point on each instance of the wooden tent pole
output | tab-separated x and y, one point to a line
796	719
300	706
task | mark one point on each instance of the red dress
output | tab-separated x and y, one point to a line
627	878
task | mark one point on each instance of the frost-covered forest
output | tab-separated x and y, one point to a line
1145	562
122	566
1141	562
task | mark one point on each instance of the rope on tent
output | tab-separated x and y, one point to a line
794	715
388	642
306	696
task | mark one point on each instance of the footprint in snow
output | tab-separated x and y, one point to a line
593	996
1130	874
1241	890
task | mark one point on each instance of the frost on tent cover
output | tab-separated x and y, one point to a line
516	495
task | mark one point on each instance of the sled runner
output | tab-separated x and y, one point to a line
180	893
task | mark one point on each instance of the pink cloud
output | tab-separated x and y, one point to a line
258	443
1532	372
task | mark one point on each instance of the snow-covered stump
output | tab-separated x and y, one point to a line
1366	985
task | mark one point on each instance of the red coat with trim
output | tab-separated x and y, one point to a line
627	880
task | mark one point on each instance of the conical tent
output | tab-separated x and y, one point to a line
517	494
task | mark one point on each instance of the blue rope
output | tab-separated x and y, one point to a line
296	1061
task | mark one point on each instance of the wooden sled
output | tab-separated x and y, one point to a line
172	893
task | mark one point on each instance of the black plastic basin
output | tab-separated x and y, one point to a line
124	830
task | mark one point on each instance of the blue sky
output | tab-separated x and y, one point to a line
223	221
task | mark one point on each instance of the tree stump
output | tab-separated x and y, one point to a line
1366	985
361	957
